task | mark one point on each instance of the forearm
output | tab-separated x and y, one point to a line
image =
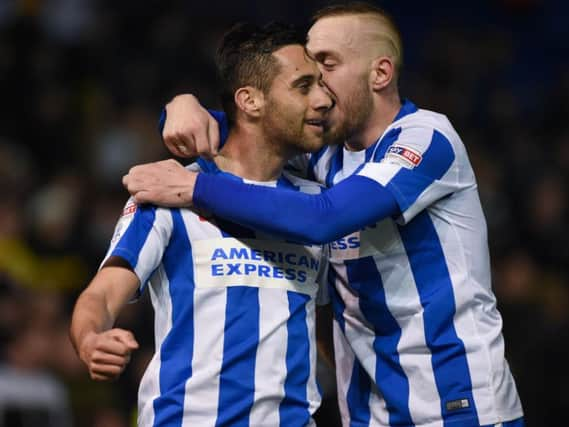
98	306
305	218
90	316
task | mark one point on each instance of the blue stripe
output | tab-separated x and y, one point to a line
162	122
336	164
358	396
223	123
241	338
293	410
136	234
408	184
365	279
406	108
434	285
177	349
386	142
310	175
338	305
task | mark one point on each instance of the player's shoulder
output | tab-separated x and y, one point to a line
427	121
302	184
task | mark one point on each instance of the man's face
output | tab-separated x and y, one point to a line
337	44
298	105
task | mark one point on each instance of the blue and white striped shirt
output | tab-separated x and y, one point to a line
417	334
234	317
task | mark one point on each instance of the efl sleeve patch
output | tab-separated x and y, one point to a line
129	209
407	157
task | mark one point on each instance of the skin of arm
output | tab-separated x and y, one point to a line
104	350
166	183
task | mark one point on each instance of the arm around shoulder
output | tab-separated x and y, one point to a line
306	218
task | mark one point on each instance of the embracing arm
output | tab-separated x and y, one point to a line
104	350
190	130
307	218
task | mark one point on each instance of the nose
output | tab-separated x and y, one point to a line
323	100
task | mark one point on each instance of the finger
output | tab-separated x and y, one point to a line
184	152
112	346
108	371
131	183
184	145
213	136
126	337
176	146
98	377
103	358
201	136
142	197
102	377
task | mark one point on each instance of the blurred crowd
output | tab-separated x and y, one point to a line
82	83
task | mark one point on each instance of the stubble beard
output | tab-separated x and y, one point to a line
357	108
284	135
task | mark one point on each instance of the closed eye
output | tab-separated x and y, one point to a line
329	65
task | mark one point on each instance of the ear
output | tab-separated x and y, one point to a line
249	100
382	72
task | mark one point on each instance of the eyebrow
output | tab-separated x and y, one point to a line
323	55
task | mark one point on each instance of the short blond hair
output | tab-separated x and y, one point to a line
388	35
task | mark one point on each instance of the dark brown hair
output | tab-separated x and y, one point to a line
245	58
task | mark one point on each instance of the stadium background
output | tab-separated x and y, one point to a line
82	83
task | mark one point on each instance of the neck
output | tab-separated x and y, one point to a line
384	111
247	154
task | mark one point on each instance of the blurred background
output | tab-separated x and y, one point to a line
82	83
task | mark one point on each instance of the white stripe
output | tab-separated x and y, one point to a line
492	383
323	165
344	366
376	401
381	172
312	392
359	337
403	302
151	252
209	324
149	388
270	366
350	162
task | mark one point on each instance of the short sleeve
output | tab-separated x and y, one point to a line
141	236
418	169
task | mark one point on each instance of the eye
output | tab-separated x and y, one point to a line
329	64
304	88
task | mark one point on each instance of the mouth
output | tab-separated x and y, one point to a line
320	123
